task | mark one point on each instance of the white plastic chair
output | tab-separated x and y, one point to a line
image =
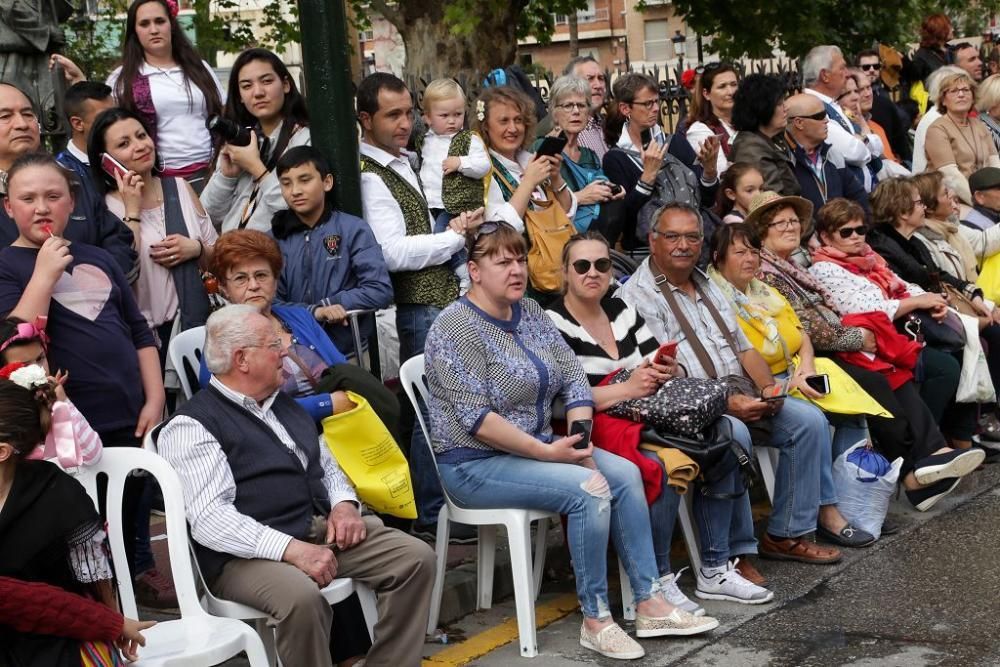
527	579
767	459
336	591
196	638
184	352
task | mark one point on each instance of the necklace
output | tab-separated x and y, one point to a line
171	79
973	144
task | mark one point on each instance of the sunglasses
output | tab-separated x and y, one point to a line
847	232
582	266
874	66
484	229
819	115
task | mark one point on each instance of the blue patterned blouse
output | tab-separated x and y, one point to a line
477	364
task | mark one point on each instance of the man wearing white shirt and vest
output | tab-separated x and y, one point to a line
824	74
396	209
273	517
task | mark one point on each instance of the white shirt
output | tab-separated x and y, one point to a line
854	151
435	151
385	217
77	153
210	490
498	209
920	136
699	132
181	136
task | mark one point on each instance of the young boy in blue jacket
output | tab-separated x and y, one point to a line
333	264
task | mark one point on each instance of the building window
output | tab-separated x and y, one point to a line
587	15
657	46
368	36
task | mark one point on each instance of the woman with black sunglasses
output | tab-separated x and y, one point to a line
607	335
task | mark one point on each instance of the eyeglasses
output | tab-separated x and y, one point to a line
785	225
582	266
819	115
919	202
647	105
243	279
572	106
275	346
673	238
874	66
959	91
847	232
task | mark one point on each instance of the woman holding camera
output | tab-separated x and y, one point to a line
244	192
164	81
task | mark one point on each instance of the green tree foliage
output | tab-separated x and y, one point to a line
755	27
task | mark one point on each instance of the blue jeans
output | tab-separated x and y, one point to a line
802	436
506	480
847	431
441	220
413	323
725	526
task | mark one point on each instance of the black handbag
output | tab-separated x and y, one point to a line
683	406
715	450
947	335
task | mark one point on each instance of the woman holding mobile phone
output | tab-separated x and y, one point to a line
581	168
773	328
711	112
607	335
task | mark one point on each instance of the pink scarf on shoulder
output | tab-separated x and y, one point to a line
869	264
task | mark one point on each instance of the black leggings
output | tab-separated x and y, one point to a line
911	432
939	382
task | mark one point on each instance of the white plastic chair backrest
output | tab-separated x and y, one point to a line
117	463
411	376
186	347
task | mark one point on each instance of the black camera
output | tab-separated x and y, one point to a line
615	189
228	132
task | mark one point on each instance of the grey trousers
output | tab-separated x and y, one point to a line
397	566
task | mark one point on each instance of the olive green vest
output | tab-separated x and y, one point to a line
431	286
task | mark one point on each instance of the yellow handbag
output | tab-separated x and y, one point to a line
371	459
846	396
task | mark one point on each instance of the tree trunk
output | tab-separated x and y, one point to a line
574	34
479	42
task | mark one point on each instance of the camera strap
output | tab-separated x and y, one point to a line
252	201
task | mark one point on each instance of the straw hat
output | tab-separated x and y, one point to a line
766	200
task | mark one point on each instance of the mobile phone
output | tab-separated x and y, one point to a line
667	351
646	138
775	392
819	383
583	426
112	166
551	145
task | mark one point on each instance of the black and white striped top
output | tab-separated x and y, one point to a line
633	337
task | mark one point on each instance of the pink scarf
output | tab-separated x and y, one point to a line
869	264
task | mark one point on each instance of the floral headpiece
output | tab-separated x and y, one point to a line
172	7
30	377
480	110
28	331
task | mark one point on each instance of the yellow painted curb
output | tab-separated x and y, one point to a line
486	641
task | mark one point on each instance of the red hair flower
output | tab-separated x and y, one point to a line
172	6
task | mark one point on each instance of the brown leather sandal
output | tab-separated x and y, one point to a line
800	549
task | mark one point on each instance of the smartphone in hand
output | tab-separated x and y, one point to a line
819	383
583	426
112	166
775	392
551	146
646	138
666	351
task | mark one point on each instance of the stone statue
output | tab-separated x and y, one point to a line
29	33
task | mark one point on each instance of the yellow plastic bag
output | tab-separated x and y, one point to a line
371	459
989	278
846	396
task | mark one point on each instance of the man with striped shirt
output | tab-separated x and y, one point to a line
272	515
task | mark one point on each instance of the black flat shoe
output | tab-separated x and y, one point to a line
926	497
849	536
890	527
956	463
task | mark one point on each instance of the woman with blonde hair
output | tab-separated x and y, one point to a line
957	144
988	106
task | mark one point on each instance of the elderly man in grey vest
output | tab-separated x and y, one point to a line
273	517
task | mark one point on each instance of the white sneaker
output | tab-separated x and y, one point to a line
729	585
676	597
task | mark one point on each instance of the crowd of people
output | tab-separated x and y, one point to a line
784	239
